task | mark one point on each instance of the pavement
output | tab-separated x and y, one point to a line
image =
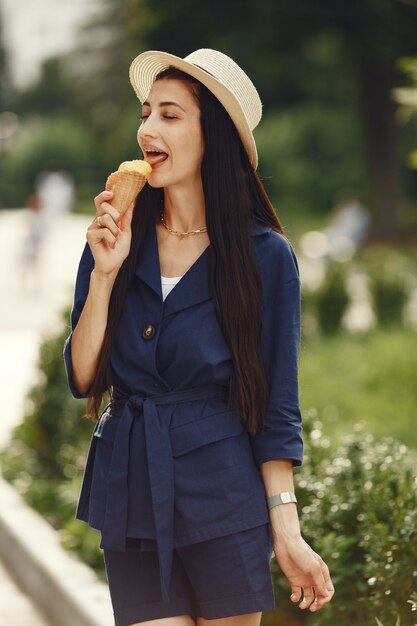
15	608
40	584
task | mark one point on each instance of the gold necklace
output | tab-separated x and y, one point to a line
176	232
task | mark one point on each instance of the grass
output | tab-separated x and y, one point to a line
371	379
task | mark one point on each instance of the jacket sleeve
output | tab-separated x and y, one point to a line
281	437
82	286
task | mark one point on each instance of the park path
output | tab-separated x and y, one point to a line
30	309
15	608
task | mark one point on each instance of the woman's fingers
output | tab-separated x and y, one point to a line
107	221
97	235
327	579
323	582
109	216
309	597
319	593
103	205
305	597
104	196
323	586
296	593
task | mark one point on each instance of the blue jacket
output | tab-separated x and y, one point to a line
173	461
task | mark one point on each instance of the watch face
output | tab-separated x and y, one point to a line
285	496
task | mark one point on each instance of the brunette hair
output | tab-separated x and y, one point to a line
234	195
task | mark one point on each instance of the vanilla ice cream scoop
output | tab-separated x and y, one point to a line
142	167
127	183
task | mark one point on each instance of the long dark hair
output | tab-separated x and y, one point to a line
234	194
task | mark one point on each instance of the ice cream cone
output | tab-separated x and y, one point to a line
127	183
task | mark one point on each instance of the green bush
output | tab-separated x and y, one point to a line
358	509
331	299
390	282
46	455
397	623
45	144
392	274
297	145
389	298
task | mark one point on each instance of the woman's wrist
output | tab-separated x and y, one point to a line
102	283
284	522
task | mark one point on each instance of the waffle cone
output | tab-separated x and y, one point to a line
125	187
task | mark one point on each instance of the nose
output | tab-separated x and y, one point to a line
147	129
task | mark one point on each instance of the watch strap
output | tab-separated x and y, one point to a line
281	498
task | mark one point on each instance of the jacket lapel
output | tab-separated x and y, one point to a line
148	268
194	286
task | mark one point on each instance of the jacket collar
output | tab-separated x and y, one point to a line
259	228
195	285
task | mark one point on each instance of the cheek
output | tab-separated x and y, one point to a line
195	150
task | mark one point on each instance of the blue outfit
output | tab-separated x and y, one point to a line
213	579
173	463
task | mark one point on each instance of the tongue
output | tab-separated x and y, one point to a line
154	159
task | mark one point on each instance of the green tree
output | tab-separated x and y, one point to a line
267	36
4	70
51	95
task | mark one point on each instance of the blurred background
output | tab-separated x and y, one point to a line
338	158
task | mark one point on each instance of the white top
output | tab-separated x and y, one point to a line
168	283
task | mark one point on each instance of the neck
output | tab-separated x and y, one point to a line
184	209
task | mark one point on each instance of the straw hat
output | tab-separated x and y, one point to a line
220	74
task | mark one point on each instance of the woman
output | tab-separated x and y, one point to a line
187	310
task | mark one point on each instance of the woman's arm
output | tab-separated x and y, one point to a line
304	569
108	246
87	337
279	446
277	476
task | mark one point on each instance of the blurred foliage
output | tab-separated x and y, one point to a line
413	601
52	95
308	62
331	299
59	143
357	506
407	97
4	70
397	623
393	281
46	456
366	376
359	511
298	145
390	297
387	275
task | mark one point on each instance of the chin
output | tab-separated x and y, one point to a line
155	185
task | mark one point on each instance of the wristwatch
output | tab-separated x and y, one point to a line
281	498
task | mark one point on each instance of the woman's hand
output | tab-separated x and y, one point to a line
110	241
306	572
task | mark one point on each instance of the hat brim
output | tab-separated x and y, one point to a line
145	67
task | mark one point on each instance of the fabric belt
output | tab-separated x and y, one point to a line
161	472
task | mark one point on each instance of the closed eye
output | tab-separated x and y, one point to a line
168	117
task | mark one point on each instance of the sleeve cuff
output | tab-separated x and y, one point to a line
276	445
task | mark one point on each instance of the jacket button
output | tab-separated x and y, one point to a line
148	331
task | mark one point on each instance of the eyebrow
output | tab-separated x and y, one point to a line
164	104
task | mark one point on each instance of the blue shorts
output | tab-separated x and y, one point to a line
225	576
